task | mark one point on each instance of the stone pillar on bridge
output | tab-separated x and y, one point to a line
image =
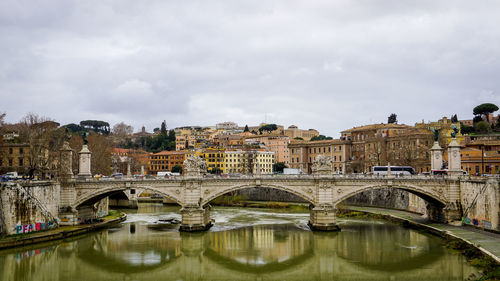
195	217
84	167
454	159
66	162
129	171
436	156
322	214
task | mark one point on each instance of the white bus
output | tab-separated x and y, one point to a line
395	170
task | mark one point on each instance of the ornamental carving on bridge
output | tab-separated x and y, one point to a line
322	165
194	166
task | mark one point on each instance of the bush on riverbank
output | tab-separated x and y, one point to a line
475	258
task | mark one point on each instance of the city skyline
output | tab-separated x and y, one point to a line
327	66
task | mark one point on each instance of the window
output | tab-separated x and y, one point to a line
21	150
21	162
10	152
10	162
340	158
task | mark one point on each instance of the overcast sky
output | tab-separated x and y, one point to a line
329	65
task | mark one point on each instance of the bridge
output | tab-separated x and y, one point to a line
71	200
324	191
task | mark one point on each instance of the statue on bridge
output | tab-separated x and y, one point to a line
454	131
194	166
436	134
322	165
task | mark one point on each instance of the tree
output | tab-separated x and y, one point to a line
100	127
216	171
465	130
44	139
99	146
122	130
268	128
163	129
320	137
484	110
477	119
246	129
2	116
177	169
279	167
74	128
454	119
482	127
392	119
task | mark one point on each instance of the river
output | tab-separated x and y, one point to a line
244	244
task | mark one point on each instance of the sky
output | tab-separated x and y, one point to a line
328	65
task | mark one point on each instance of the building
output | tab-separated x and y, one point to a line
294	132
121	157
142	134
380	144
215	158
445	128
274	143
226	126
249	162
481	157
14	157
303	154
164	161
193	137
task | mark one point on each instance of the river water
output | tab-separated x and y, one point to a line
244	244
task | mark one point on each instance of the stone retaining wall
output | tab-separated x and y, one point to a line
28	207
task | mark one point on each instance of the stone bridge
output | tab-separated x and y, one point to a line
323	192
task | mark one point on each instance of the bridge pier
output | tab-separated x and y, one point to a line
323	218
195	218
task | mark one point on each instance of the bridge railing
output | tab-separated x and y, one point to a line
299	176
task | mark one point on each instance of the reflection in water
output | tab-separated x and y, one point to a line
364	250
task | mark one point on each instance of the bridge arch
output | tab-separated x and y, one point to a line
432	196
96	195
307	197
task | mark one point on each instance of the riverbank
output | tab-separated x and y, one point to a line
481	249
61	232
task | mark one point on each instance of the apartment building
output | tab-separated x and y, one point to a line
249	162
274	143
164	161
481	157
303	153
215	158
14	157
380	144
294	132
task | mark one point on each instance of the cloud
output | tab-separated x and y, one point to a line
323	64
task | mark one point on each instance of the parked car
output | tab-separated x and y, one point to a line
117	176
4	178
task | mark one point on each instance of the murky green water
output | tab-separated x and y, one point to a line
244	244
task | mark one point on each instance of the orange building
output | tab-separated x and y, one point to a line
274	143
120	157
164	161
481	157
